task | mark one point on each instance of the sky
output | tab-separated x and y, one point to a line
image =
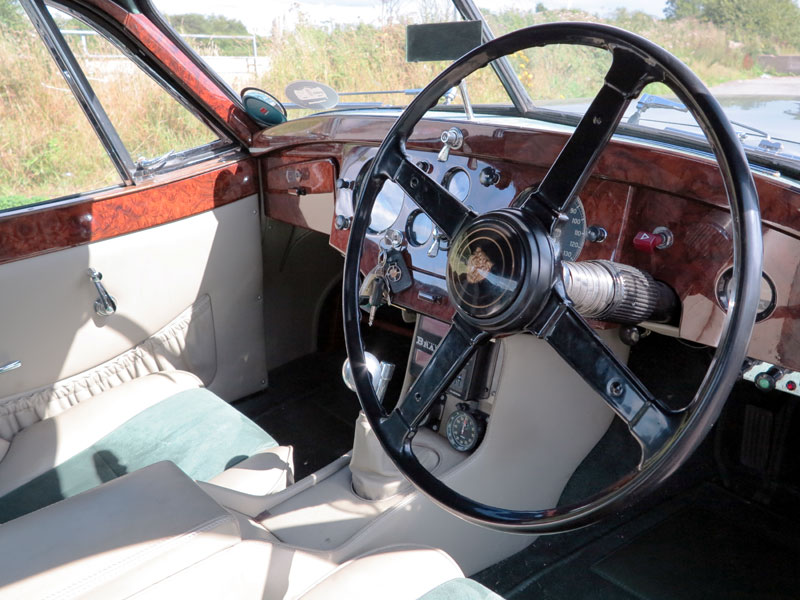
258	15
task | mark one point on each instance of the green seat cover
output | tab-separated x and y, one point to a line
461	589
195	429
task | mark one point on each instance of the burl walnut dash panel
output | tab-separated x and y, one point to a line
300	191
51	228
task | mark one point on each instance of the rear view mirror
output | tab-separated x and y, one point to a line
442	41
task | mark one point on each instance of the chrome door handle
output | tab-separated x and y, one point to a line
106	304
14	364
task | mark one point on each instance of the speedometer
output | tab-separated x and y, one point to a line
570	235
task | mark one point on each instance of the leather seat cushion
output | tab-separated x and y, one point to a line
115	540
193	428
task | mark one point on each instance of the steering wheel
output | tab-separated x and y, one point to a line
525	292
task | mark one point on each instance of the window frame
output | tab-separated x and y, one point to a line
130	174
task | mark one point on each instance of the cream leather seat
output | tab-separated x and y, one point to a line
161	416
156	534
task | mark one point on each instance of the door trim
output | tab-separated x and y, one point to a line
49	228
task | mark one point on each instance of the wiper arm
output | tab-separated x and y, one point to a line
648	101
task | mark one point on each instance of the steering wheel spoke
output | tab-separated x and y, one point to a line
444	209
455	349
625	79
578	344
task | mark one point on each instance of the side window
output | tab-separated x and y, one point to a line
147	118
48	149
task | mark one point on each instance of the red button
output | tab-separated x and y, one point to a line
647	242
791	386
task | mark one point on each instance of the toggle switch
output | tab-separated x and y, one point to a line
647	242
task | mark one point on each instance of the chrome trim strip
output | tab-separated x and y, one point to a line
14	364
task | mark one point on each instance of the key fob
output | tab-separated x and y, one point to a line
396	272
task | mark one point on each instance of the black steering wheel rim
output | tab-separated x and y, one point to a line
690	428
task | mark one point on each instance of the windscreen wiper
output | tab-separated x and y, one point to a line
648	101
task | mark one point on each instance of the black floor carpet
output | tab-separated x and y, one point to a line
307	406
704	544
716	547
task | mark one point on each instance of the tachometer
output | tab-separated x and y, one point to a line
570	235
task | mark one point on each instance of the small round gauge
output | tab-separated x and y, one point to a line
570	235
419	228
456	181
464	430
766	301
387	207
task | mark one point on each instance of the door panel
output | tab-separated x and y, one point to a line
160	251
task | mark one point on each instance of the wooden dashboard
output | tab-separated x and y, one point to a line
634	188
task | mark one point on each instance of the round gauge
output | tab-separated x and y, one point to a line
463	430
570	235
387	207
766	301
456	181
419	228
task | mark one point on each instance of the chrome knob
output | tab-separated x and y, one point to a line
380	374
437	238
452	139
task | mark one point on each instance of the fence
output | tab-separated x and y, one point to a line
252	60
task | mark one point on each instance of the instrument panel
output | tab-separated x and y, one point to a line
418	230
635	191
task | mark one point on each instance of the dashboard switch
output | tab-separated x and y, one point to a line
766	380
489	177
768	377
648	242
452	139
342	223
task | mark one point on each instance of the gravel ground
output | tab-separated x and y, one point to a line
763	86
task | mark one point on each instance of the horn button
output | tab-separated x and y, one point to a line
498	268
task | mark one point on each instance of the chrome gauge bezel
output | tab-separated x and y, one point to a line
382	201
450	177
416	215
767	302
570	237
390	201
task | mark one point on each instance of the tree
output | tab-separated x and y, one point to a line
12	17
775	21
682	9
207	24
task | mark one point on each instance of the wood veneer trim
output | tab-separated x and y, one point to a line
52	228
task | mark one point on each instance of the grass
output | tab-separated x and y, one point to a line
47	148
